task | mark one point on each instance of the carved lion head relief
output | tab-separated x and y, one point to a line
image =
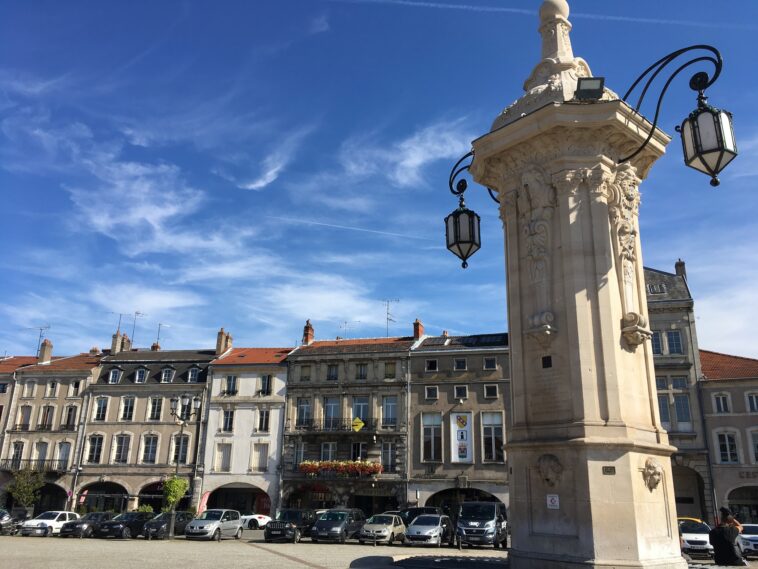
550	469
652	474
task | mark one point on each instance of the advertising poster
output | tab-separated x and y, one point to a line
461	430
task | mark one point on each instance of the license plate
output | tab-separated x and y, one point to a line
275	532
322	533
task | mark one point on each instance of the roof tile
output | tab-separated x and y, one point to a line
247	356
723	366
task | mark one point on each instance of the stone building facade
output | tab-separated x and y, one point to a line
8	368
346	401
459	394
242	451
729	392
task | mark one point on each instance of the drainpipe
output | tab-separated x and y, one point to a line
706	437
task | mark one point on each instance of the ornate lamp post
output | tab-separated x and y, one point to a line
182	417
589	463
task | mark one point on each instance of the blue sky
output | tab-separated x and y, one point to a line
253	164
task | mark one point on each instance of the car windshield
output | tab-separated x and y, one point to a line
210	515
384	520
694	527
332	516
411	513
751	529
127	516
96	516
288	516
47	516
163	516
426	521
478	511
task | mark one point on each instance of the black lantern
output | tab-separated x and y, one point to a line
462	232
708	139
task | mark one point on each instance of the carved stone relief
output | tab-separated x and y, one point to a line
550	469
652	474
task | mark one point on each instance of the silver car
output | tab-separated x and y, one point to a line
215	524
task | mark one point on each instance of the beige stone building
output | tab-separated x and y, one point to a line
459	393
132	440
46	419
8	368
242	451
729	391
330	384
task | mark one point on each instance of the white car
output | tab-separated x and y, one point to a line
694	537
47	523
254	521
747	541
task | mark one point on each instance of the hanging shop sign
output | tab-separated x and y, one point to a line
461	440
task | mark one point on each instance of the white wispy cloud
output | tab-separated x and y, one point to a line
277	160
319	25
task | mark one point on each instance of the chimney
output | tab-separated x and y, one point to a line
680	269
156	347
94	350
116	343
228	341
126	343
444	334
307	333
45	352
418	329
220	341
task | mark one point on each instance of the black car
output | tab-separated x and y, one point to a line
338	524
86	525
124	525
289	525
157	528
410	514
482	523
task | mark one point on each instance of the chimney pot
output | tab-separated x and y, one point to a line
94	350
156	347
418	329
308	333
680	269
444	334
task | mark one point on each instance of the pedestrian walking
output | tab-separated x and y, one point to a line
723	538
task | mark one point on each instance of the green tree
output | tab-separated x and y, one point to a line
174	490
25	487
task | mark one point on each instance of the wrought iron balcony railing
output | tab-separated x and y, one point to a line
36	465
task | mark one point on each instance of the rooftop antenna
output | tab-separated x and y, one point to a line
120	316
41	334
160	325
346	324
387	302
137	313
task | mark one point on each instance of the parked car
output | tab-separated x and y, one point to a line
338	524
694	537
47	523
748	540
157	527
255	521
215	524
410	514
125	526
431	529
482	523
383	528
289	524
7	523
86	525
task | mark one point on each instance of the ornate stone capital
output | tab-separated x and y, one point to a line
634	329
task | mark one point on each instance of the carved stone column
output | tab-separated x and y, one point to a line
591	482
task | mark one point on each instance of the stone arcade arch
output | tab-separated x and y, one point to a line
689	492
451	498
743	501
51	497
103	497
241	496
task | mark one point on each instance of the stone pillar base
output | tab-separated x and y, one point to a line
546	562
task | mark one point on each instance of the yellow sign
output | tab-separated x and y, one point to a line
358	424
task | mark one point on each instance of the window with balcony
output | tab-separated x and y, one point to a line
359	451
432	437
69	418
156	406
332	419
18	453
727	448
46	418
227	425
24	418
389	460
329	451
390	371
389	411
95	449
721	403
490	364
149	449
360	407
304	416
361	371
298	453
492	437
127	408
230	386
121	453
459	364
332	372
263	420
64	453
140	376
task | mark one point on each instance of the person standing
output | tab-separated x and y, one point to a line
723	538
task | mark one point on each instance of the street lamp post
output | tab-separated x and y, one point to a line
589	461
182	418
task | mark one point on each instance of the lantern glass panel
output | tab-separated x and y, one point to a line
706	124
464	222
726	130
450	220
689	150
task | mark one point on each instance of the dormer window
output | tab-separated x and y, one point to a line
140	376
166	375
193	374
114	375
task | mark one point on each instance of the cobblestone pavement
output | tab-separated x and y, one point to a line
250	551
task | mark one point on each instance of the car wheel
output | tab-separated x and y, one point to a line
391	539
217	535
252	524
361	541
495	543
460	543
238	535
296	536
314	540
48	531
343	537
267	540
126	533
